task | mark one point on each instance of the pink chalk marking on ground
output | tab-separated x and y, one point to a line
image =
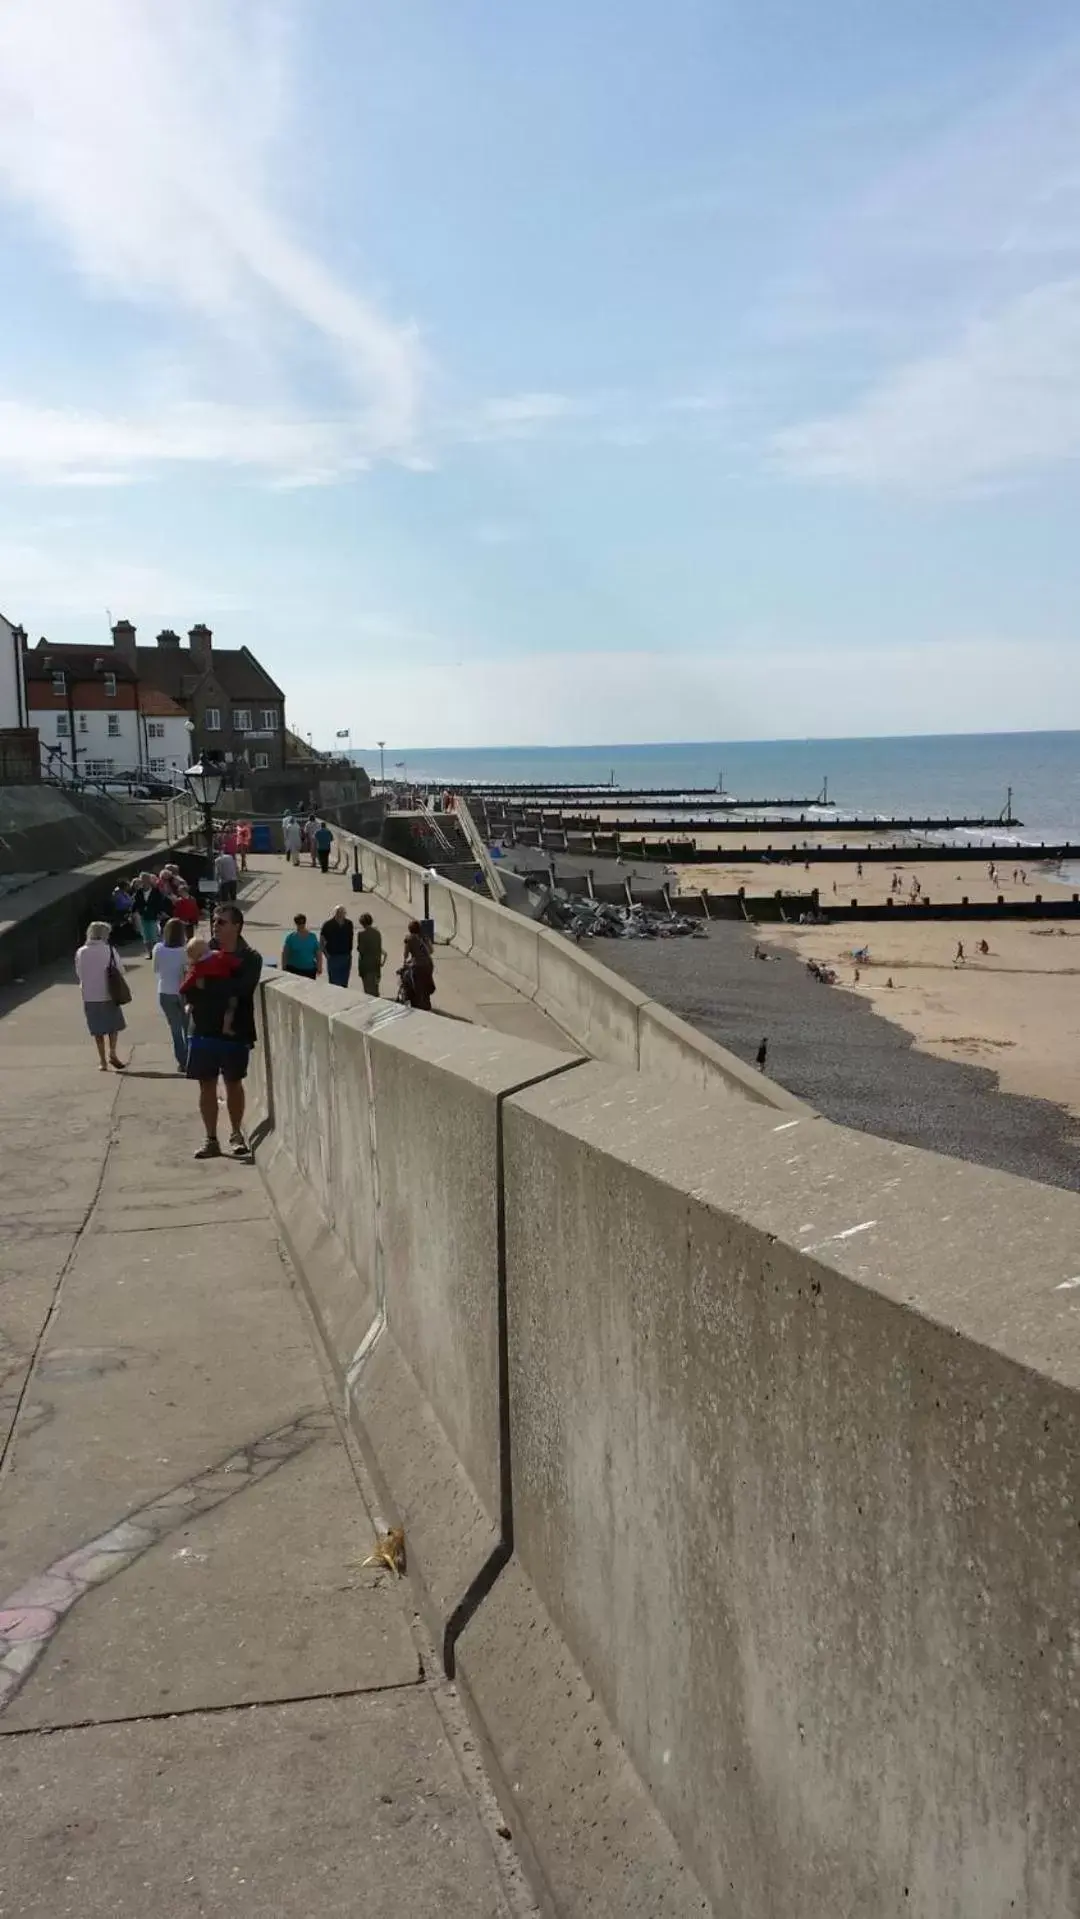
26	1622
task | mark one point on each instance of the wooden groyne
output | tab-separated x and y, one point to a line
530	795
688	853
668	840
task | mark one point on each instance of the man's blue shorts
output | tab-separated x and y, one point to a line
217	1058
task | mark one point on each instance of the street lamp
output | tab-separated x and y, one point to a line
381	744
205	784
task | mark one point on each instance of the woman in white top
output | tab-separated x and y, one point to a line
104	1020
170	965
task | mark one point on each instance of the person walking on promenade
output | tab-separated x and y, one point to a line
762	1055
292	837
370	955
309	827
150	907
222	1013
324	841
958	961
186	909
418	970
243	843
94	964
170	966
336	939
226	874
301	953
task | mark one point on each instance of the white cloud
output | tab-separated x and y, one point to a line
44	577
526	409
952	283
749	691
54	445
140	136
1002	401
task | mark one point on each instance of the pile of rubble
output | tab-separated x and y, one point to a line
595	919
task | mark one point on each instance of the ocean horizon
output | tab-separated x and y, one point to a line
963	774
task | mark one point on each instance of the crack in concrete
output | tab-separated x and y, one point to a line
215	1711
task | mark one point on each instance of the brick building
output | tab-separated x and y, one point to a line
237	711
116	710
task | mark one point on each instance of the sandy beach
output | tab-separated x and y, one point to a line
1015	1010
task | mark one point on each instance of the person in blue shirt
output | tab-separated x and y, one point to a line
301	952
324	842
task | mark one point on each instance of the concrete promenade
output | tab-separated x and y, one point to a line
464	989
207	1705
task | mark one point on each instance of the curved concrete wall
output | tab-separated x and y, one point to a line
782	1425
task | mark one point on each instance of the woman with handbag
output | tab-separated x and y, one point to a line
105	991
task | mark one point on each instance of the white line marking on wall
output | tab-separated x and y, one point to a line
787	1126
1067	1285
849	1233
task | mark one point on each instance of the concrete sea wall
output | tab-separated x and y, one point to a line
737	1456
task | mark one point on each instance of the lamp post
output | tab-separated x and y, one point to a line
428	923
205	782
381	744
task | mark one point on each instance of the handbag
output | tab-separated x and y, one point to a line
119	990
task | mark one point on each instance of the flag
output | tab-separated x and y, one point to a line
342	733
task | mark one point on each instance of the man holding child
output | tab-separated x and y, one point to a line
219	993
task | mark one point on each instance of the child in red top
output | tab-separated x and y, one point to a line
206	963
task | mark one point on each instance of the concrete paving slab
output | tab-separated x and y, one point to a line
260	1598
332	1809
183	1345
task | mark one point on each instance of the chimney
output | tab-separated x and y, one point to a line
123	637
167	638
199	641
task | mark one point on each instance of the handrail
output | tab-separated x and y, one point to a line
478	848
436	831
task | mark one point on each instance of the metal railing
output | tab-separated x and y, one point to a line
444	844
479	851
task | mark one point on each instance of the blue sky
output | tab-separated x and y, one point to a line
519	374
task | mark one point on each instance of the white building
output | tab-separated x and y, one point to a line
95	719
12	676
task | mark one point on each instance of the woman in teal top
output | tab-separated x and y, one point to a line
301	952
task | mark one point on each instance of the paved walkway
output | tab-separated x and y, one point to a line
274	891
207	1705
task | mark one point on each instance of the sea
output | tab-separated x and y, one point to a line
967	774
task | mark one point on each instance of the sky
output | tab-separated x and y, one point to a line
593	371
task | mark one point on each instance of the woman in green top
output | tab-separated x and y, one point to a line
301	952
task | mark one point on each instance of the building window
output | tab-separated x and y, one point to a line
268	719
59	685
261	762
212	720
157	766
242	719
82	722
63	726
114	726
99	769
110	686
155	729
